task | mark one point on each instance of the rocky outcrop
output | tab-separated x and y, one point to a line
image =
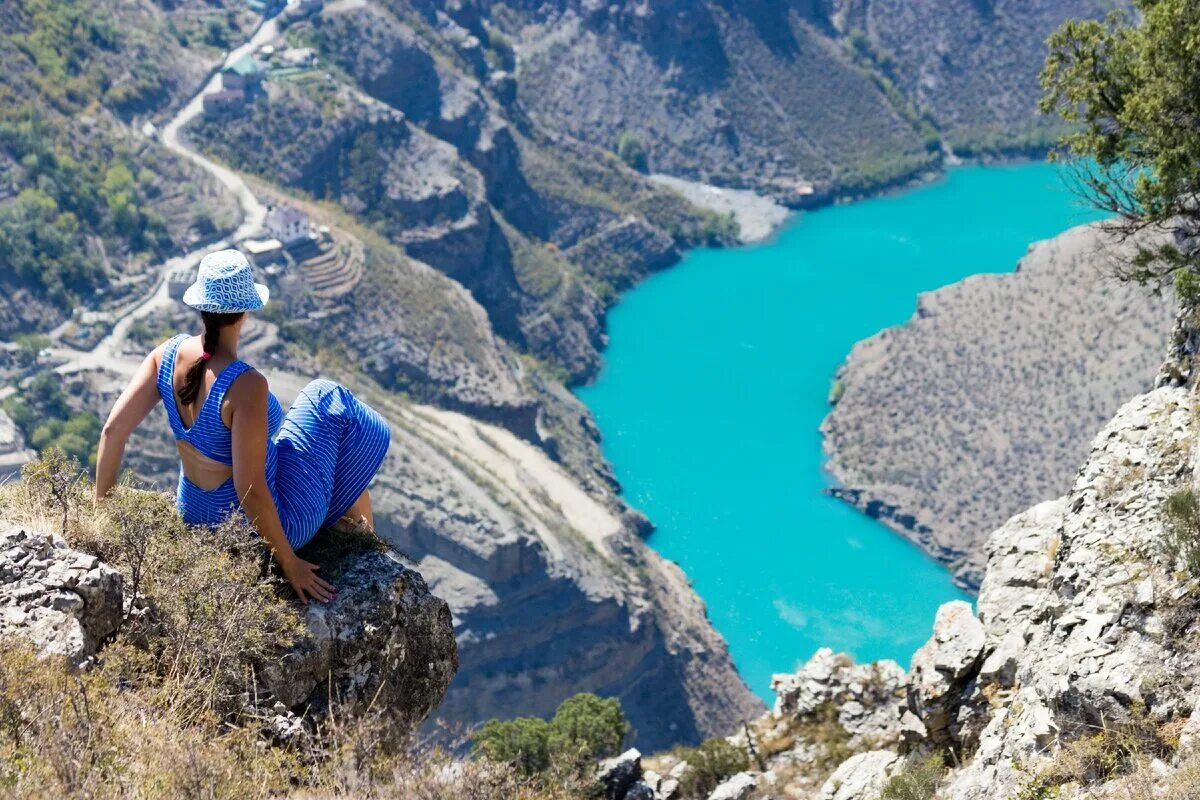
941	670
618	775
1082	633
64	601
867	697
735	787
1096	638
971	435
861	777
385	639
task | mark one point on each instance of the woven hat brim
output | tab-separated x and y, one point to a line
196	298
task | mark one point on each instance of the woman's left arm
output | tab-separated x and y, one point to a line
138	399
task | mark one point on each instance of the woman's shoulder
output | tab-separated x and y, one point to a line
248	383
172	343
156	355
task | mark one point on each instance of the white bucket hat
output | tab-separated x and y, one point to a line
225	285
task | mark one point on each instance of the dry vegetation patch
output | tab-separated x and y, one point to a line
168	707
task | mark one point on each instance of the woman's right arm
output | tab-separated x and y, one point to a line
137	401
248	397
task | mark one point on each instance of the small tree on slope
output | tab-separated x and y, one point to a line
1134	90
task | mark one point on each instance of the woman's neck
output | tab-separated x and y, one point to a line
227	347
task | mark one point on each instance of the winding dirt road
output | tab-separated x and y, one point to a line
109	351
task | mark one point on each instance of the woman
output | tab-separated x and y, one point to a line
290	475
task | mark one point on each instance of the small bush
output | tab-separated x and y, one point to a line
1114	752
588	728
523	742
584	729
918	780
710	764
631	151
1181	528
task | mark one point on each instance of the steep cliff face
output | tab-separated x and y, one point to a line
971	65
1087	624
553	592
722	92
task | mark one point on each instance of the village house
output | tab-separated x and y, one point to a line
288	225
298	57
224	103
263	252
267	8
245	74
179	278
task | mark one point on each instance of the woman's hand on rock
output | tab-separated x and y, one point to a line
305	581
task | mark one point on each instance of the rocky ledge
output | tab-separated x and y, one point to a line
385	638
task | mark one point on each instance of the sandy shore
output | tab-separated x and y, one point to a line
757	216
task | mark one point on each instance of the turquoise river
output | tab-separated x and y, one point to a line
716	379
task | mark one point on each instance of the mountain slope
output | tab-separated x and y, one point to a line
971	435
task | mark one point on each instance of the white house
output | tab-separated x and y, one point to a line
262	252
288	225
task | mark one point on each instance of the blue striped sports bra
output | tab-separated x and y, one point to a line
211	438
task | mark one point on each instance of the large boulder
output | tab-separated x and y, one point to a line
385	639
868	697
618	775
860	777
943	667
65	602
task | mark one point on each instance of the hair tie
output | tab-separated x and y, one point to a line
205	356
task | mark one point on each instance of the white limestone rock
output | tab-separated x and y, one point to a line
942	668
860	777
737	787
63	601
868	697
617	775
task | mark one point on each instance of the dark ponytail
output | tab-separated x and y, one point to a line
213	322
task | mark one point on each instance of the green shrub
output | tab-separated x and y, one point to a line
918	780
588	728
46	420
1181	531
631	151
523	742
710	764
584	729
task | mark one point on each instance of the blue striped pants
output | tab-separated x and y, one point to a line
328	449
